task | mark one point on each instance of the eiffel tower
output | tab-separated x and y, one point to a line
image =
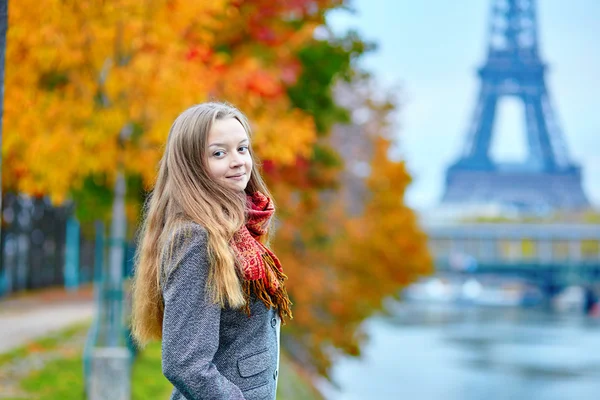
548	179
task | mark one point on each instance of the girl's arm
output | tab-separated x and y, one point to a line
191	325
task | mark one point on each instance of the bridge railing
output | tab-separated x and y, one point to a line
542	244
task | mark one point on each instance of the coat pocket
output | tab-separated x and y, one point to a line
261	392
254	364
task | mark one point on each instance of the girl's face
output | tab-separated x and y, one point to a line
229	160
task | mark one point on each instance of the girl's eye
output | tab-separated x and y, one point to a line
243	149
219	153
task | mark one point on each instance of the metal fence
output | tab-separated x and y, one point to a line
41	246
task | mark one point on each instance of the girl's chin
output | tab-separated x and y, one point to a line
238	186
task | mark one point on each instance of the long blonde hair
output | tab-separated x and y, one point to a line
185	192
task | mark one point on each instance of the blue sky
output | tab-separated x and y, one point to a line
430	50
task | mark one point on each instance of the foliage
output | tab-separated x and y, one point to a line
93	86
342	266
324	62
99	84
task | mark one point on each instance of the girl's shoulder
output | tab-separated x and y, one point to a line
187	237
187	230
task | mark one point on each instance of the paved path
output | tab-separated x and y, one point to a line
26	317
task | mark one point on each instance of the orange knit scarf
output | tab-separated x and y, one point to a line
263	274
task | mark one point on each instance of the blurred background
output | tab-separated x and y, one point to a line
435	167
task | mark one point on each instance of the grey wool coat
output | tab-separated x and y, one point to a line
209	352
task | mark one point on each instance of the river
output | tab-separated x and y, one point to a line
453	352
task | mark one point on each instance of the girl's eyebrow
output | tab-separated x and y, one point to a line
223	144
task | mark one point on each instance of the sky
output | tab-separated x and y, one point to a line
429	51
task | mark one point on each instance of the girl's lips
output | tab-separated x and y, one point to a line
236	177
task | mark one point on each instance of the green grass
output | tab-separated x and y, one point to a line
50	342
59	379
148	382
62	378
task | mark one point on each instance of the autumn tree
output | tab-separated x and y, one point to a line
93	86
104	80
352	245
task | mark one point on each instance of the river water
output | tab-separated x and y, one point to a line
452	352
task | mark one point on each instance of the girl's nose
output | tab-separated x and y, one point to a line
236	161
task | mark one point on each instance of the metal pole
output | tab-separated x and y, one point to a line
73	243
116	257
111	364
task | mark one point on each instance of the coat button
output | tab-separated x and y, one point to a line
275	374
273	322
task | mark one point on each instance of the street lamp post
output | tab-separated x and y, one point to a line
111	359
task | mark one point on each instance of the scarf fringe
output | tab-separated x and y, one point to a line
278	298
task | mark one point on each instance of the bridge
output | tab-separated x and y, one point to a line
551	255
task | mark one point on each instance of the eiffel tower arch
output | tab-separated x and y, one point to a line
548	178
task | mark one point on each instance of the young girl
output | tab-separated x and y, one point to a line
205	283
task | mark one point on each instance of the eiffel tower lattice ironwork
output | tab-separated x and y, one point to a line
548	178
